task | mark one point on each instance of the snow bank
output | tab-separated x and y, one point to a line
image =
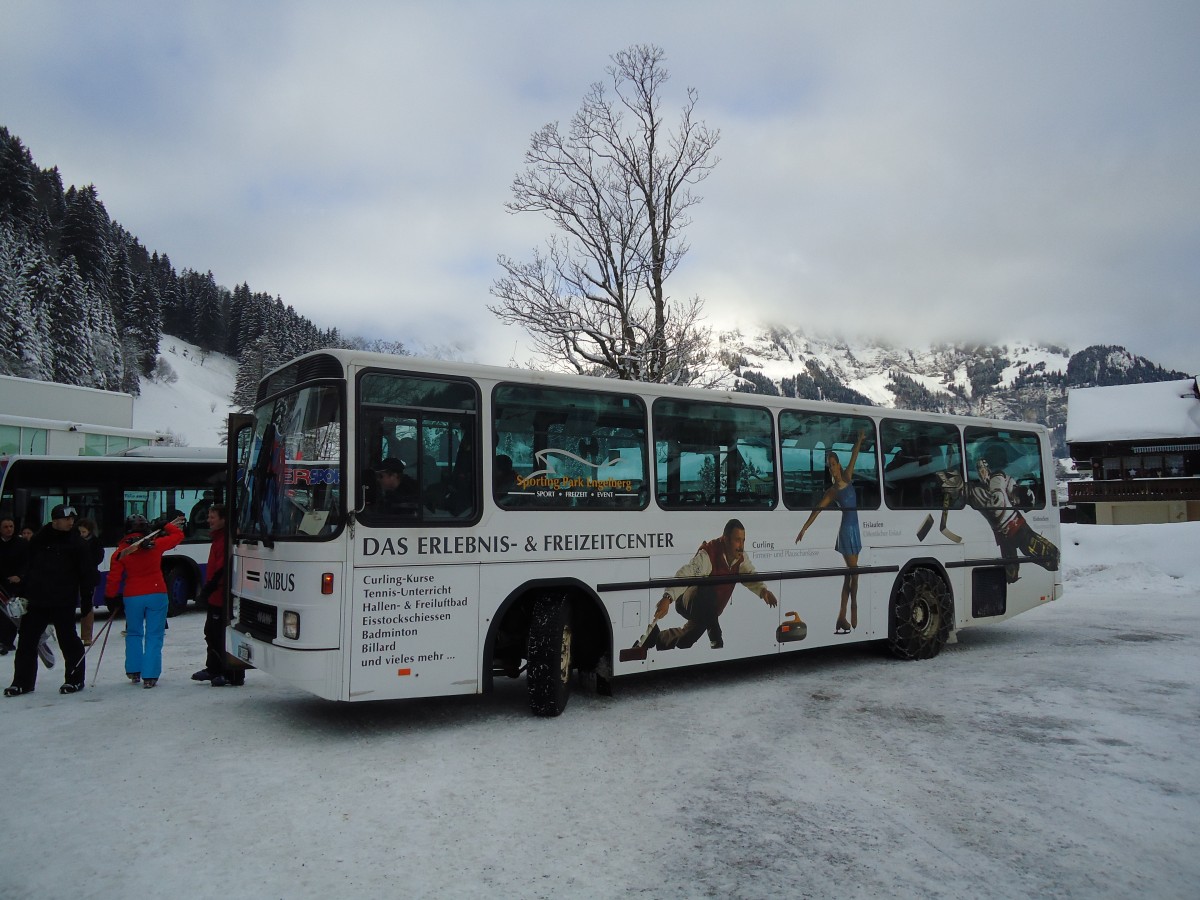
1133	554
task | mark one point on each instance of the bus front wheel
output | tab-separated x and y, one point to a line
922	614
549	654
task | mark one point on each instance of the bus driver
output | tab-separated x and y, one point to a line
398	493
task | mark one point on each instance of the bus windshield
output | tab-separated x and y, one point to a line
291	486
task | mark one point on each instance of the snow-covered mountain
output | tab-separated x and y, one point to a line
1019	380
869	367
189	395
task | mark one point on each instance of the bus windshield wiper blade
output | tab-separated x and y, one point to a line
258	496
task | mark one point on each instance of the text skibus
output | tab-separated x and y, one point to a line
410	529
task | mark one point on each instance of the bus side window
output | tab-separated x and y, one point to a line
428	424
1015	455
809	439
713	455
918	455
569	449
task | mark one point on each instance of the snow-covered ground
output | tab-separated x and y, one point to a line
1057	754
196	406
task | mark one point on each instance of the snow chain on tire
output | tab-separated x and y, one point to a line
549	653
921	615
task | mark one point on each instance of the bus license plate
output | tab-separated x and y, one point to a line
244	652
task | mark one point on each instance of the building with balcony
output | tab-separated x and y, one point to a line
1141	443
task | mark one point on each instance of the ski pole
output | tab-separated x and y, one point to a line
103	644
88	648
103	634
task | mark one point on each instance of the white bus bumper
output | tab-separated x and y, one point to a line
316	671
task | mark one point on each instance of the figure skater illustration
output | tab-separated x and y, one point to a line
849	539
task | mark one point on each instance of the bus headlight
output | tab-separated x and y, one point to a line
291	625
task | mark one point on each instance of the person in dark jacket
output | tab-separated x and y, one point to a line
87	611
216	671
13	551
59	565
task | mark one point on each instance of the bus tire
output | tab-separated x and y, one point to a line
179	589
921	615
549	654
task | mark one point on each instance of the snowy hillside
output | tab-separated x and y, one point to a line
195	405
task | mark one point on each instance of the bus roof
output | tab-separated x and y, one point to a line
423	365
206	453
119	458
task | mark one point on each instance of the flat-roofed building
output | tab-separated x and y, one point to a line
46	418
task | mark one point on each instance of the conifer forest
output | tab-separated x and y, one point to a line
83	302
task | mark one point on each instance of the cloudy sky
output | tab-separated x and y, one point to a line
919	170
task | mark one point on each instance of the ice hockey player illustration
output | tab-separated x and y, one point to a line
999	499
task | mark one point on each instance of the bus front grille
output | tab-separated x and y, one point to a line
257	619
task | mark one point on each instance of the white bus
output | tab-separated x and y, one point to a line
153	482
407	528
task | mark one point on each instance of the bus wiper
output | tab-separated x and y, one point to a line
258	492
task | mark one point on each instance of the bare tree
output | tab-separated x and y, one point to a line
618	188
375	345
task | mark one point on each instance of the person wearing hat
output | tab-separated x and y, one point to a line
13	551
57	568
135	574
398	493
87	612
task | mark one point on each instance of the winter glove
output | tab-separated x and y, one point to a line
210	586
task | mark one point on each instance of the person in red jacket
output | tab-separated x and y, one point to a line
215	670
135	572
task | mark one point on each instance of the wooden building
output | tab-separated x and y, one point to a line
1141	443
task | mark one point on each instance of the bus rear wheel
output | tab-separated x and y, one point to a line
179	589
921	616
549	654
